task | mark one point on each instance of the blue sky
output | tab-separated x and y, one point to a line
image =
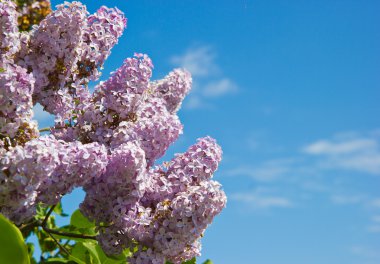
291	91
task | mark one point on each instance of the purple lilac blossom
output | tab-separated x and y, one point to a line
52	56
101	33
173	88
44	170
106	142
9	35
79	164
123	184
23	170
16	89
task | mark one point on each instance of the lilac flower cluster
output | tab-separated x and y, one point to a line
16	85
42	171
166	209
66	51
9	43
106	142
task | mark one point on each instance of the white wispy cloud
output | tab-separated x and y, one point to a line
374	229
259	174
195	102
376	219
375	224
375	203
353	153
256	200
200	61
366	252
347	199
219	88
267	171
208	79
345	147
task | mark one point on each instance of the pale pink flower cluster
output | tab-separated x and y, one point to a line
107	142
43	170
9	36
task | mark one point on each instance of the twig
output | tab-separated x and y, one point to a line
57	242
45	129
55	127
66	234
34	223
47	215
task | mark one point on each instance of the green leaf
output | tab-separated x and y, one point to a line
2	70
86	253
40	211
117	259
47	244
30	247
12	246
208	262
59	210
79	220
191	261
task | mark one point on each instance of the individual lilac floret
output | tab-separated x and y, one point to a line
54	47
102	32
123	184
9	35
16	88
23	170
173	88
79	165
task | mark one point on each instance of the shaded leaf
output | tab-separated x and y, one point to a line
12	246
79	220
86	253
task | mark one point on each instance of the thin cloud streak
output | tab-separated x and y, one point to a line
326	147
260	174
219	88
375	203
353	154
346	200
258	201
